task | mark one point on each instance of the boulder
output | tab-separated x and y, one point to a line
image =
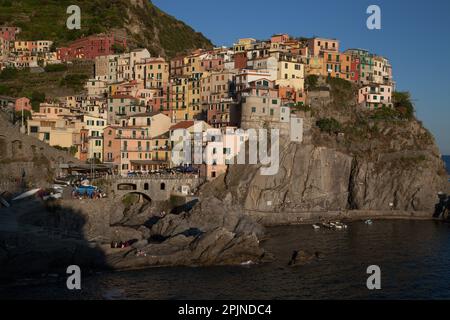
222	247
123	234
210	214
301	258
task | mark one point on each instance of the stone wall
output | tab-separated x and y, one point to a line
157	189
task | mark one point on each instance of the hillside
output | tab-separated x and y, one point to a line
69	80
147	26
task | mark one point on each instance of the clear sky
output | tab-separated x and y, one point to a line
415	36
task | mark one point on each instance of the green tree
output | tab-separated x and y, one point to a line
36	99
9	73
311	81
329	125
403	104
55	68
26	116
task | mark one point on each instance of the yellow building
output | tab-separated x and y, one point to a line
178	98
95	127
55	132
194	96
291	72
314	66
192	64
243	45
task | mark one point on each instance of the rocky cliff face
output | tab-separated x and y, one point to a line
368	164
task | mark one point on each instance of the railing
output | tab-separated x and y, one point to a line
156	176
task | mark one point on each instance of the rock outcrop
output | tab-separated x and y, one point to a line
371	162
213	233
25	158
318	178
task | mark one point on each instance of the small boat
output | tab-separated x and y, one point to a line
369	222
327	225
340	225
26	194
316	226
53	196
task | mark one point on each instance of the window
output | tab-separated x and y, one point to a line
253	110
34	129
163	186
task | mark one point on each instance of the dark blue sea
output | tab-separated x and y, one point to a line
413	256
447	163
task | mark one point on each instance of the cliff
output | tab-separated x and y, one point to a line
363	160
146	25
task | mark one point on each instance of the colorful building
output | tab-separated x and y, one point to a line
90	47
375	96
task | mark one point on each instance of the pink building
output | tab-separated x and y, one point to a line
18	104
22	104
375	96
89	48
9	33
279	38
212	63
133	149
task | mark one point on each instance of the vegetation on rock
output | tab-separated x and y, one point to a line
329	125
146	25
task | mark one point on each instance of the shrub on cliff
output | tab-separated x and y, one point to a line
74	81
342	91
403	104
36	99
8	73
311	82
329	125
55	68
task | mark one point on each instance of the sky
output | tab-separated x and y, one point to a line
414	35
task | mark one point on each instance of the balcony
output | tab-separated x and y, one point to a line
122	137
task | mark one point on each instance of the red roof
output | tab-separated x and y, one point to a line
182	125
